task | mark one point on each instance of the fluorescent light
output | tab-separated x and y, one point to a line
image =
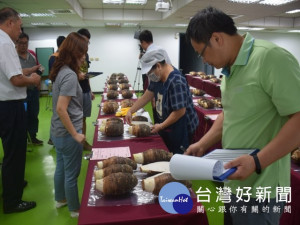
61	11
245	1
257	28
138	2
250	28
39	24
264	2
293	11
243	28
113	1
42	15
181	25
113	24
162	6
294	31
130	24
24	15
59	24
275	2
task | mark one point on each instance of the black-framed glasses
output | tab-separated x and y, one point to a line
22	43
203	50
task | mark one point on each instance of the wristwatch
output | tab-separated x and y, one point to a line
257	164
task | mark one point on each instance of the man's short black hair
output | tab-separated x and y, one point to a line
59	40
146	36
84	32
208	21
24	35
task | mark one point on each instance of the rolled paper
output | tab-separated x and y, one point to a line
185	167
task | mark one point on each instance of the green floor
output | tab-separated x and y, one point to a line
40	167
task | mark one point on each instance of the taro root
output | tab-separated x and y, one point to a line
112	127
116	160
296	156
120	76
126	103
112	81
112	87
111	94
206	103
123	81
114	168
215	80
140	118
127	94
156	167
201	73
211	76
117	184
198	92
113	76
155	183
110	107
152	155
205	77
124	86
140	130
217	102
193	73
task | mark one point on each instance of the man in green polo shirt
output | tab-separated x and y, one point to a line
261	110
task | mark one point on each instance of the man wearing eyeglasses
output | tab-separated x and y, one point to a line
261	110
28	60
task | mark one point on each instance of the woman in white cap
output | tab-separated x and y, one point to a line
174	105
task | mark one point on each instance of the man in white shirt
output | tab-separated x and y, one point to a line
13	84
146	43
146	40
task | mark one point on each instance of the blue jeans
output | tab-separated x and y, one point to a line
68	165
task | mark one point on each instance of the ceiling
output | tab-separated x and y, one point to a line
93	13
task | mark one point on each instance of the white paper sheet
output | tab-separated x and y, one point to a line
208	167
184	167
104	153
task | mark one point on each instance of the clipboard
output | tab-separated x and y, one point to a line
208	167
230	171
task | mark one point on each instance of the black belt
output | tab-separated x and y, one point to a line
13	101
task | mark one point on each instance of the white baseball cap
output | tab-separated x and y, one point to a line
150	58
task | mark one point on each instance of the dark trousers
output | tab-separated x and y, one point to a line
13	135
33	108
176	136
145	82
